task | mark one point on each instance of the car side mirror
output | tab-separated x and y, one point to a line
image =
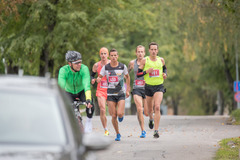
93	141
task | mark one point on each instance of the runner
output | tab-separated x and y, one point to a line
101	92
115	73
138	91
154	71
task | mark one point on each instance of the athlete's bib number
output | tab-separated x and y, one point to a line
113	79
155	73
139	83
103	84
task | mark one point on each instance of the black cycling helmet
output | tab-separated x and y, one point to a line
72	56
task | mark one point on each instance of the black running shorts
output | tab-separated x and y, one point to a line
116	98
150	89
139	92
81	96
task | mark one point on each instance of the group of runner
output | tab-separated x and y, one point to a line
148	89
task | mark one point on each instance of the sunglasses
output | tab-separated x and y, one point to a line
77	62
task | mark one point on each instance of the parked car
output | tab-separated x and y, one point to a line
37	122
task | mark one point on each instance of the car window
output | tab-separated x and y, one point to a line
29	118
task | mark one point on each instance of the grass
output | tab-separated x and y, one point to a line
83	107
230	148
228	151
236	115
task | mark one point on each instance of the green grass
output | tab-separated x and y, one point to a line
83	107
227	152
236	114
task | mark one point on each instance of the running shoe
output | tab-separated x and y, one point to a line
156	134
106	133
143	135
120	119
118	138
151	124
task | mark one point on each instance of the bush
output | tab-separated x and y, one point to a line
236	114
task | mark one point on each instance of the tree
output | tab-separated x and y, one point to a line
196	39
46	29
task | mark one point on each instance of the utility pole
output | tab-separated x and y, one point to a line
237	74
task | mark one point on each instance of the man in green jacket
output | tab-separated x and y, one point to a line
74	78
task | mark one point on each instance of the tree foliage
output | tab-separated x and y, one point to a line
197	38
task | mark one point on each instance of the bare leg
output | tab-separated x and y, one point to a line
145	107
121	108
150	106
113	112
139	104
157	97
102	104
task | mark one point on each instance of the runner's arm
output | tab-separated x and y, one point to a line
127	77
94	71
140	71
102	74
99	78
130	66
164	66
165	69
93	75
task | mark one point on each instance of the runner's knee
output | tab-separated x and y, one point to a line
114	116
157	108
102	110
146	114
120	115
139	109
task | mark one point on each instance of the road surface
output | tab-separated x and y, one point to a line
181	138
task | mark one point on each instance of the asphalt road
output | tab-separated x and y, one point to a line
181	138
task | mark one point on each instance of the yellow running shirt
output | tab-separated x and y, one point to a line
154	78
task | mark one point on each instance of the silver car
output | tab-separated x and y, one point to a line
38	123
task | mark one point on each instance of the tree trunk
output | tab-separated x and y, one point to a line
175	103
229	77
43	62
220	103
12	69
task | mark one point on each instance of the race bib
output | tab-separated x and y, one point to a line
113	79
155	73
140	83
103	84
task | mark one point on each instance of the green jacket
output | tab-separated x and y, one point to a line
74	82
